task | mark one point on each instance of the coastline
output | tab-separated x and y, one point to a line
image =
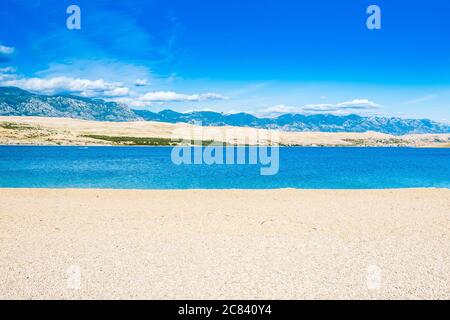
227	146
16	130
237	244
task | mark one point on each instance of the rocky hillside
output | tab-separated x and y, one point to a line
300	122
18	102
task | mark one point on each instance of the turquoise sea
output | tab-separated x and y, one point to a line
152	168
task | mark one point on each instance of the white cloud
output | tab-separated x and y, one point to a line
132	102
161	97
200	110
117	92
320	107
84	87
346	107
166	96
7	70
359	104
281	108
141	82
112	70
6	50
233	111
277	110
342	107
99	88
7	73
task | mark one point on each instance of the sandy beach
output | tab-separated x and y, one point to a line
239	244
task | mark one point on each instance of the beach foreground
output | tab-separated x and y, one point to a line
227	244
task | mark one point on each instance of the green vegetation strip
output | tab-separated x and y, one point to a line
144	141
16	126
362	142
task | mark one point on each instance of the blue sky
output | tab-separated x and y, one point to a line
264	57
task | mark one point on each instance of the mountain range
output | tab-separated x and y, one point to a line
18	102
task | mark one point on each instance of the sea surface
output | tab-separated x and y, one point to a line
153	168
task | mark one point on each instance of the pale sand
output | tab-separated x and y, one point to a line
240	244
64	131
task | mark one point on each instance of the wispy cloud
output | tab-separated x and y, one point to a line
6	50
346	107
358	104
422	99
141	82
132	102
117	92
278	110
166	96
199	110
7	73
6	53
160	97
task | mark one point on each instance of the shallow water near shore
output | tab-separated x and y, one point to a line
153	168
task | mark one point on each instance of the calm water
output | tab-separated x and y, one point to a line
152	168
